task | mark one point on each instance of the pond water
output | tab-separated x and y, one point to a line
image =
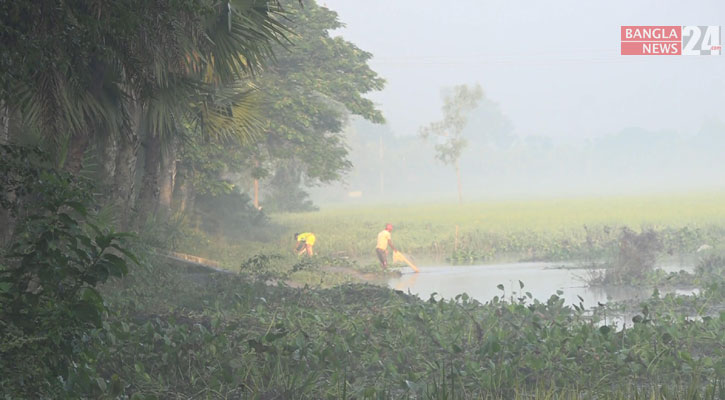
541	279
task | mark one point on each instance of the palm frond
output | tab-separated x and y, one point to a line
241	37
230	112
57	105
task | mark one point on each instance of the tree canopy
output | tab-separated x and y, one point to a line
309	92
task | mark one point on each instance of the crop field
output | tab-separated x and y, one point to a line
536	229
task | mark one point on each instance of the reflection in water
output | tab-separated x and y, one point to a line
407	281
541	279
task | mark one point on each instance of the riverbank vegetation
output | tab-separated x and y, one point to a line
171	333
158	117
361	341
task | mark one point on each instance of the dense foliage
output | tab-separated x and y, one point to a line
309	92
130	81
55	259
362	341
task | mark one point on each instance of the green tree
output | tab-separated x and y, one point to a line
309	92
448	132
210	169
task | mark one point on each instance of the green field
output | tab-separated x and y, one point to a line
544	229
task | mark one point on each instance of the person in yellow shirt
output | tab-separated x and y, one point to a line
305	243
384	240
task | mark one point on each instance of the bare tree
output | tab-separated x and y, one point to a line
449	131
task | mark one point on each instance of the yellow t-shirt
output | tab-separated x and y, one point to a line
307	237
383	238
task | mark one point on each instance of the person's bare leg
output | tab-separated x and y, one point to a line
382	258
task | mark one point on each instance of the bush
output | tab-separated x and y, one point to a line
230	214
636	258
711	267
48	277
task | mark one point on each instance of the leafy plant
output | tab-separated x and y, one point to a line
262	267
228	337
49	273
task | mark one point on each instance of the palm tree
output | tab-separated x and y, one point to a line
133	71
207	90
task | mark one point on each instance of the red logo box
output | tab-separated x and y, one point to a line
651	40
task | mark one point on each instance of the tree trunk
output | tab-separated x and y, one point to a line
108	149
7	225
186	194
167	177
148	198
124	178
7	222
458	178
78	143
4	123
79	140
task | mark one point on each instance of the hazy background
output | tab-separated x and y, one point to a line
564	114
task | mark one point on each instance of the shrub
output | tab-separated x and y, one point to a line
48	276
636	257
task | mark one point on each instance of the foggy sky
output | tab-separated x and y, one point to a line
553	67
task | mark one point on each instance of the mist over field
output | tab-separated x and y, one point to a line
500	165
564	113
